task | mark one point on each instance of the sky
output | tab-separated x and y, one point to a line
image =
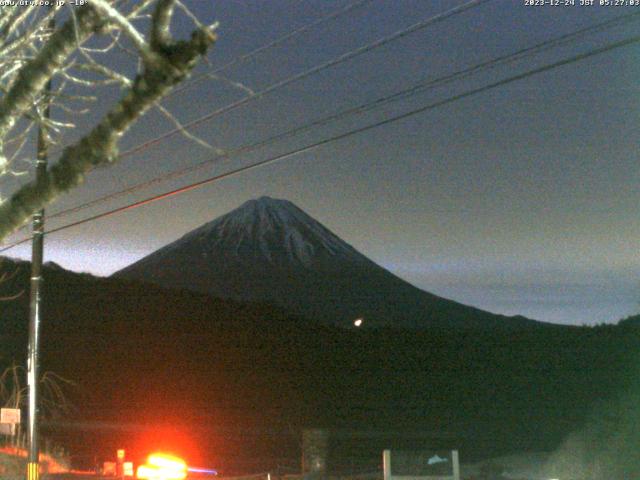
521	199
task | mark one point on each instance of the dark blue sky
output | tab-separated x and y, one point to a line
519	200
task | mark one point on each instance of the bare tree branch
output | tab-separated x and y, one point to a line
32	79
112	15
161	22
167	65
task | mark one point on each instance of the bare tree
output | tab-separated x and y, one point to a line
33	53
53	402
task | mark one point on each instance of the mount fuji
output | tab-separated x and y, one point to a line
269	250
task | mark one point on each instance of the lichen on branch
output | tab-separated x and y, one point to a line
166	63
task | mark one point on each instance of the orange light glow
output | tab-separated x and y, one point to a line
166	461
161	466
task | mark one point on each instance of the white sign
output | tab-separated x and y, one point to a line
10	415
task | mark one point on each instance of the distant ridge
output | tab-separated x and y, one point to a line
269	250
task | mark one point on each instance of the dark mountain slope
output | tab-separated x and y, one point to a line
225	371
270	250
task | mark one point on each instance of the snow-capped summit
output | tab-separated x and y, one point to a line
270	250
274	229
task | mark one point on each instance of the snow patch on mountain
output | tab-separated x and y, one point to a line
259	224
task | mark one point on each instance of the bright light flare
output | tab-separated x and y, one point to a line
170	462
161	466
358	322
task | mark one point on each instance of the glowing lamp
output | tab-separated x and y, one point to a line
160	466
170	462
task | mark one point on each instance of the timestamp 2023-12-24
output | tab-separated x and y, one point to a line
581	3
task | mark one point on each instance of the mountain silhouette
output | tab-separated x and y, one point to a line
269	250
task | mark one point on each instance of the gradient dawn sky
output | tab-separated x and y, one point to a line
521	199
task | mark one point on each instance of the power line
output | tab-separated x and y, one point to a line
280	40
509	58
312	71
440	17
367	106
342	136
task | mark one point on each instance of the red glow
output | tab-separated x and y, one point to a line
172	439
162	466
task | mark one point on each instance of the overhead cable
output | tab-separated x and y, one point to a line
341	136
311	71
420	87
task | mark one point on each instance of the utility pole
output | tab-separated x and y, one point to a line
35	300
